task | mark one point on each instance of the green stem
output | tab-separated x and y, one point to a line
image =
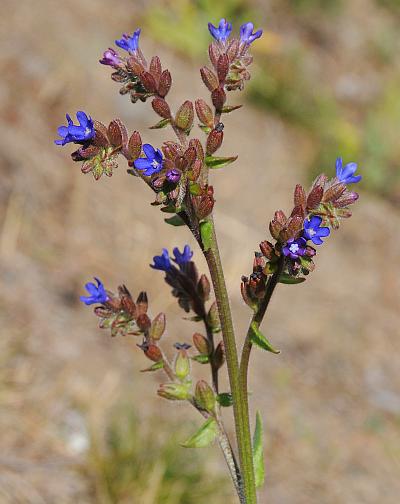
257	319
239	395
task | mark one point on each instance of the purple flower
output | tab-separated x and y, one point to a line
152	163
222	32
182	346
111	58
313	231
76	134
129	42
295	248
345	173
246	33
162	262
173	176
97	293
184	257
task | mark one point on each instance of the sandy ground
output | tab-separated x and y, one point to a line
331	400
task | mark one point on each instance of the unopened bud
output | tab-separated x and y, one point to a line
204	113
135	66
299	196
222	68
127	303
218	97
157	327
219	355
267	249
152	352
182	365
161	107
209	78
214	53
233	49
204	396
155	68
174	391
213	318
195	142
165	83
315	197
148	82
117	133
201	344
277	224
334	193
142	303
195	170
143	322
135	146
184	116
203	288
214	141
101	138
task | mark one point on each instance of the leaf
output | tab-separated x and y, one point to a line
195	189
154	367
175	220
170	209
225	399
162	124
206	232
230	108
204	436
258	338
258	454
285	278
202	358
218	162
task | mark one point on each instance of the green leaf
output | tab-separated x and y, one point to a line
204	436
161	124
258	338
206	232
225	399
230	108
258	454
202	358
175	220
154	367
218	162
170	209
285	278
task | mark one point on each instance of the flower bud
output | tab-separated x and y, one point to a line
161	107
127	303
209	78
142	303
165	83
219	355
214	53
135	146
195	142
293	226
218	98
195	170
213	318
143	321
214	141
135	66
190	155
151	351
184	116
277	224
182	365
222	68
204	204
157	327
203	288
267	249
348	198
204	113
334	193
117	133
299	196
174	391
155	68
233	49
101	138
204	396
201	344
148	82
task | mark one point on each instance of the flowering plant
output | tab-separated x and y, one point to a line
178	174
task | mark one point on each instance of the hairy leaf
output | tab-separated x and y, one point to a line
258	338
204	436
258	454
218	162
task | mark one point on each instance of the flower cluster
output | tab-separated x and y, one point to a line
311	220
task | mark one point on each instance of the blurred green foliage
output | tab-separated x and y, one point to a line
131	461
286	77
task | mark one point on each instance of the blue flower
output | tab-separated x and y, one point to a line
111	58
129	42
184	257
295	248
76	134
152	163
246	33
345	174
222	32
162	262
313	231
97	293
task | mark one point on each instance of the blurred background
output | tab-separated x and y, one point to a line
79	423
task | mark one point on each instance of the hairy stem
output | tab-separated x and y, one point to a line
239	395
257	319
